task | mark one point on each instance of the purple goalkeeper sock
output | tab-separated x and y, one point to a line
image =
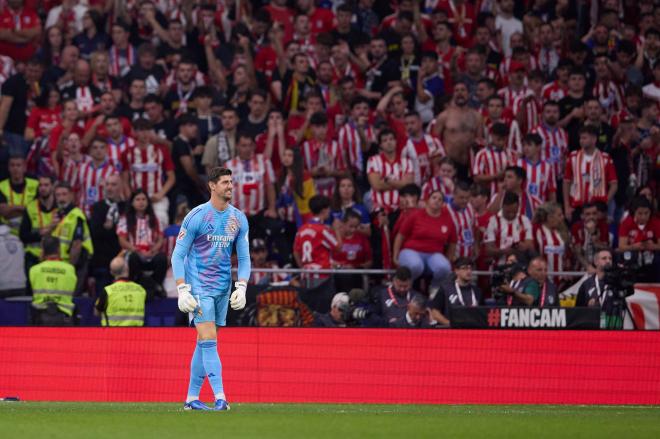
212	365
197	374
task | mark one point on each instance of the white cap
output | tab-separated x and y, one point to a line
339	299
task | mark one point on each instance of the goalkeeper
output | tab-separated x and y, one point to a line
201	262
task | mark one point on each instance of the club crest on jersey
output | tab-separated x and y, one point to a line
232	226
181	235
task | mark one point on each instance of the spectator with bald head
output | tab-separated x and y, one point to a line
82	91
122	303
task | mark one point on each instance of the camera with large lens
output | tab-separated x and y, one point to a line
357	308
620	278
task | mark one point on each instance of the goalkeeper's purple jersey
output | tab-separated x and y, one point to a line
202	255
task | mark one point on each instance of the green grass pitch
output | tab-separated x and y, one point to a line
19	420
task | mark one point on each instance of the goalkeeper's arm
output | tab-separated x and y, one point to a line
237	299
183	242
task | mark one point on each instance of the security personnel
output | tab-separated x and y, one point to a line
39	220
73	231
53	283
122	303
15	193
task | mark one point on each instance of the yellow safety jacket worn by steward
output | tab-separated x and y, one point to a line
15	199
66	230
53	281
38	218
125	304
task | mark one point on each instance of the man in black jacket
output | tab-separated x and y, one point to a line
105	216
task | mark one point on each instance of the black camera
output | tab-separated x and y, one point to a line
357	308
620	278
503	274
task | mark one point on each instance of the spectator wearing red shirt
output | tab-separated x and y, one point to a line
353	252
425	238
321	19
45	114
639	233
70	122
20	29
140	234
315	242
149	167
589	174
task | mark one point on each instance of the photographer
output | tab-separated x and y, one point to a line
461	291
507	282
605	289
393	300
350	310
335	317
416	316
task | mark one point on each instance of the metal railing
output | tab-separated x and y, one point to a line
374	271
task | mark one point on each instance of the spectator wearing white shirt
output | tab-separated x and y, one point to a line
506	25
68	16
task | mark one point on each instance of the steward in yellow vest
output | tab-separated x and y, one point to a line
121	303
39	220
15	193
72	229
53	283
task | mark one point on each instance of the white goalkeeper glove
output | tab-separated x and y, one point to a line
187	302
237	299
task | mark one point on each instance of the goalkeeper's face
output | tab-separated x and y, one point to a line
223	188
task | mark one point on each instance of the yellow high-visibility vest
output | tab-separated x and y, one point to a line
125	304
53	282
15	199
66	229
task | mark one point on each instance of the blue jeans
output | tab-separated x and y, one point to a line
419	263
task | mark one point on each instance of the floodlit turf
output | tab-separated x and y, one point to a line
141	421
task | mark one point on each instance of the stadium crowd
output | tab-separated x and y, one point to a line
430	136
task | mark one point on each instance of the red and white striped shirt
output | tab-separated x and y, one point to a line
491	161
540	178
84	99
590	177
510	95
551	245
514	143
465	223
91	180
70	169
554	147
505	234
116	149
351	145
393	170
147	167
326	155
609	95
438	183
143	237
553	91
251	180
420	152
530	108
